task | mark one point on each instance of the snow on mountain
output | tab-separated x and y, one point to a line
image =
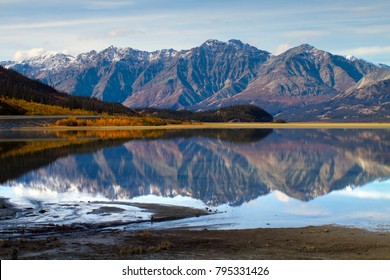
49	61
212	75
383	66
212	43
8	63
351	57
162	54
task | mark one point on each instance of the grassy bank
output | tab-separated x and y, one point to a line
114	121
297	125
33	108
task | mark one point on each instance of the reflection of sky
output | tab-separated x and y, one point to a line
21	195
366	207
63	208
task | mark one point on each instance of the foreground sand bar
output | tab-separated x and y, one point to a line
99	241
325	242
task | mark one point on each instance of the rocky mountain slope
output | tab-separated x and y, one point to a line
20	95
301	76
216	74
214	69
368	100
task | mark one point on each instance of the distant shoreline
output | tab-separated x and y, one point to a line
308	125
195	125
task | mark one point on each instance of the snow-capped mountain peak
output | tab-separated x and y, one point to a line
309	49
214	74
114	54
351	57
213	44
86	57
50	61
162	54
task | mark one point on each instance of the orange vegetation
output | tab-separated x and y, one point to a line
110	134
31	147
34	108
115	121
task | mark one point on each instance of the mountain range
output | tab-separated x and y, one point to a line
303	83
20	95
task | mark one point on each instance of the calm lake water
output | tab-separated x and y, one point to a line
250	177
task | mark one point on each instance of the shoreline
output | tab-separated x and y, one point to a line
32	123
307	243
110	242
297	125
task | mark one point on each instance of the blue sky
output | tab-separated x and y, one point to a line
348	27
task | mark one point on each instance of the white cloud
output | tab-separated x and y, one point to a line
153	24
306	35
53	24
93	21
364	194
281	48
118	32
108	5
24	54
366	51
372	29
87	38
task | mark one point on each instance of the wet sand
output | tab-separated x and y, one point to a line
7	209
325	242
107	242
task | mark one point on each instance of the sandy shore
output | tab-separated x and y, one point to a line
107	242
325	242
303	125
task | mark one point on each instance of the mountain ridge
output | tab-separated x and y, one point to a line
213	75
21	95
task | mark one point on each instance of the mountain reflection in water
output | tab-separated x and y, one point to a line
229	166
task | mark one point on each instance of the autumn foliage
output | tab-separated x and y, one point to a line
130	121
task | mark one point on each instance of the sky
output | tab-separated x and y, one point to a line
345	27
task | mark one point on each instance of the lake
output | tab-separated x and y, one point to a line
248	178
